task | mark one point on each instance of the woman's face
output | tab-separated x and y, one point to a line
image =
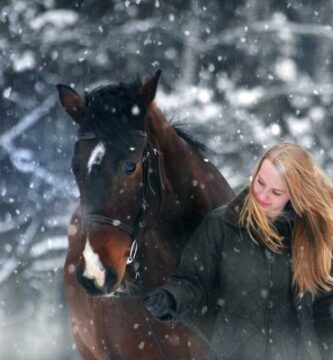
270	190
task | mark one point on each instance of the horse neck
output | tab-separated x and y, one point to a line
184	167
160	132
173	150
183	205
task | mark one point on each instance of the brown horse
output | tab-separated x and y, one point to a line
144	188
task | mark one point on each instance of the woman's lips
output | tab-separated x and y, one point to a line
263	204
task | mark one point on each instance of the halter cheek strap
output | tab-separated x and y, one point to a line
132	231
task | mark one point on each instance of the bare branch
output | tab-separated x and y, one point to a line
26	122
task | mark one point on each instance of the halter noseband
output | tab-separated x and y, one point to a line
89	219
132	231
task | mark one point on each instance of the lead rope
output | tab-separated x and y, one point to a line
187	323
138	221
136	230
152	331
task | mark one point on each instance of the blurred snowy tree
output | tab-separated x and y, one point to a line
243	75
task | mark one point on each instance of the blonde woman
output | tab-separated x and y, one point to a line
269	255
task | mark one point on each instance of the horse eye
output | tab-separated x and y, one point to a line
129	167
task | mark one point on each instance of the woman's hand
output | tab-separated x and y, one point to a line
160	303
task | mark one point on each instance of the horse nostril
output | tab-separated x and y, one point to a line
111	278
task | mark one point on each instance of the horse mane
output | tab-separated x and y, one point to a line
196	144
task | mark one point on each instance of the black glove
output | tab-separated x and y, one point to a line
160	303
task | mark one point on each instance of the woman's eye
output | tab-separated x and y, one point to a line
276	194
129	167
260	182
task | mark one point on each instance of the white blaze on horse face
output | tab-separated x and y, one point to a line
94	269
96	156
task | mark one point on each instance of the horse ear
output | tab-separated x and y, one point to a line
72	102
148	90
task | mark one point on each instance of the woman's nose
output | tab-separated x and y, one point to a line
264	196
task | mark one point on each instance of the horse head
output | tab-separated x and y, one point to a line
110	164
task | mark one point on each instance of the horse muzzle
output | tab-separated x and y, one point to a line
98	286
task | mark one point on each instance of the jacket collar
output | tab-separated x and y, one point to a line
234	207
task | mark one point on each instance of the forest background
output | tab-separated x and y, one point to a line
240	75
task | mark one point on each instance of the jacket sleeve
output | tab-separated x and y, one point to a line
323	317
196	277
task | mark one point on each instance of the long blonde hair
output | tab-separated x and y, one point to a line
311	196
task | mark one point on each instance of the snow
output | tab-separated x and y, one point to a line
242	83
317	113
245	97
275	129
298	126
7	268
135	110
24	61
286	69
59	18
44	246
6	93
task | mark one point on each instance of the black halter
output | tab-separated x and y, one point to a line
150	155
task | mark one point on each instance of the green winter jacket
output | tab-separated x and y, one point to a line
259	315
